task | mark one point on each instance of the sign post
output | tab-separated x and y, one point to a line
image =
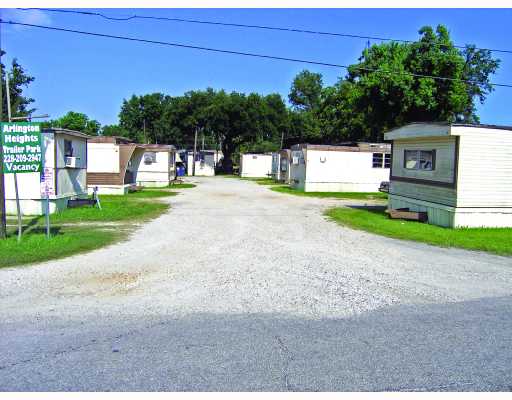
47	189
22	153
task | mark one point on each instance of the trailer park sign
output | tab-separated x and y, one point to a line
22	147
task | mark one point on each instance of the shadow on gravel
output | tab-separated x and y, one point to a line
463	346
369	208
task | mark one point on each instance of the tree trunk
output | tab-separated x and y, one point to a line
227	152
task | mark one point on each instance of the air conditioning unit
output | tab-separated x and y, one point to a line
72	162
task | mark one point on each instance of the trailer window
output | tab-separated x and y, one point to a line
377	160
68	148
149	157
423	160
387	160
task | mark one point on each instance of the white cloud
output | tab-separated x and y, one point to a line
35	17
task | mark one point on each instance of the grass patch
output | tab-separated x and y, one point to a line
493	240
332	195
34	246
131	207
142	194
263	181
182	186
68	240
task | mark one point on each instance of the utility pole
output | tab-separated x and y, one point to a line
282	139
3	218
195	152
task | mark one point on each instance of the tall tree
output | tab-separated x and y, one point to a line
19	80
380	92
306	90
140	116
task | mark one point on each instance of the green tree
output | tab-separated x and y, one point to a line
19	80
113	130
141	117
371	99
306	90
77	122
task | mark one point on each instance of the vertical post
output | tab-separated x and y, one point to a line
195	152
3	218
47	216
282	139
18	208
47	195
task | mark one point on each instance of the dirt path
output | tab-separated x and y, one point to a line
238	287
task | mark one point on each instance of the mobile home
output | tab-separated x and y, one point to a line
65	166
205	162
281	165
353	167
460	174
255	165
157	166
113	163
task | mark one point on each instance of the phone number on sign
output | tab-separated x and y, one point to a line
19	158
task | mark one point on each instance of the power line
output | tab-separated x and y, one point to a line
229	24
255	55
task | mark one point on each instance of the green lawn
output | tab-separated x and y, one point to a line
259	181
263	181
71	239
133	207
335	195
34	246
493	240
182	186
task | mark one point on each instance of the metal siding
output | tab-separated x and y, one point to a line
485	170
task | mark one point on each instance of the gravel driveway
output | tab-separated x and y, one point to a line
241	288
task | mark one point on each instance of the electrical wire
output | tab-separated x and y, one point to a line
235	25
248	54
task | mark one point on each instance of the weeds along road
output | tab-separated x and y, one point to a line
241	288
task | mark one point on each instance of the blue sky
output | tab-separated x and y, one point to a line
93	75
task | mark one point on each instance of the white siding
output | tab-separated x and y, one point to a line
103	157
157	173
485	169
71	182
79	150
338	171
255	165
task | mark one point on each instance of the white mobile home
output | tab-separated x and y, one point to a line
205	162
357	167
65	166
113	163
460	174
255	165
157	166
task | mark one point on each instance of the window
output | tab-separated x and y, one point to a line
68	148
149	157
377	160
423	160
387	160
